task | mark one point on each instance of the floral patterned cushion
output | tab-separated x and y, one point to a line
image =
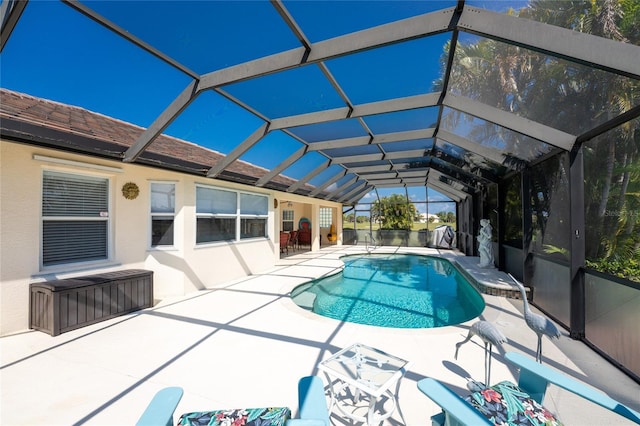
507	404
272	416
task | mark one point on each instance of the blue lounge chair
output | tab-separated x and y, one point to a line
533	381
160	410
312	403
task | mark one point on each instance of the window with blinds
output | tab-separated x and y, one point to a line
216	212
163	208
254	211
223	215
75	218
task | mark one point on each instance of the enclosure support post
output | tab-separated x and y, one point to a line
577	223
502	195
527	227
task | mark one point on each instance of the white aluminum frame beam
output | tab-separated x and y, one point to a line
411	173
340	143
450	192
178	105
376	140
492	154
335	178
282	166
309	176
511	121
240	149
291	23
390	185
353	191
397	104
403	166
369	169
333	114
341	188
415	180
409	135
453	183
358	158
397	155
358	111
436	174
398	31
359	195
378	182
373	176
10	13
617	57
418	153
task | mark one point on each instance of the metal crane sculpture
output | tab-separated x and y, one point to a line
490	335
539	324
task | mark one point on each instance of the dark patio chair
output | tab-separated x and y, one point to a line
293	239
304	237
284	242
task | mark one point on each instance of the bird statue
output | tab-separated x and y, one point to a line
538	323
490	335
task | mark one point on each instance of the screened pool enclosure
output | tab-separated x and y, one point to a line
523	113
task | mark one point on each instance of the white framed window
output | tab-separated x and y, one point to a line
325	217
226	215
163	210
287	220
75	218
254	212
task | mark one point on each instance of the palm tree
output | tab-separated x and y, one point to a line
526	83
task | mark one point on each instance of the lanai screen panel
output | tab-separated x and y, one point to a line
555	92
215	122
322	22
291	92
390	72
331	130
402	121
191	32
503	141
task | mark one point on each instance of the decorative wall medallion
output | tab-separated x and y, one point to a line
130	191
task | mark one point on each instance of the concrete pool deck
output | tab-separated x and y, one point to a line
246	344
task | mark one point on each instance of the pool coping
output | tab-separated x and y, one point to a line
500	284
486	280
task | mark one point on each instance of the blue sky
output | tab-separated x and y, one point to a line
57	53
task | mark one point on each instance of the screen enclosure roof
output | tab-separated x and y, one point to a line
342	97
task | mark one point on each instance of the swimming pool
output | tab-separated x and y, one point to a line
393	290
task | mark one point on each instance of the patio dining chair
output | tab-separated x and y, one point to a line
293	239
284	242
304	237
530	390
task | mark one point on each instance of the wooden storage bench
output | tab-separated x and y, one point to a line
63	305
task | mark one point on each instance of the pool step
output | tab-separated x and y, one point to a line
305	300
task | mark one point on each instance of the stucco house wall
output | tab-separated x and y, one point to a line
184	268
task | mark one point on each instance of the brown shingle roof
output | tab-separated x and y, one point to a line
84	130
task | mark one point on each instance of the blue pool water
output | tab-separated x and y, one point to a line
393	290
